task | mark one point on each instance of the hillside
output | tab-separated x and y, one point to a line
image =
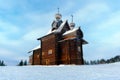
62	72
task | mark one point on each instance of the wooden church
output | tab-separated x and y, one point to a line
62	45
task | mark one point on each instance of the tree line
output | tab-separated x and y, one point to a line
103	61
92	62
22	63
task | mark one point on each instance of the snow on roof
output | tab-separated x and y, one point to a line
70	31
49	31
59	29
67	39
37	47
61	26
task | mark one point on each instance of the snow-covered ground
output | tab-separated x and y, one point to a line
67	72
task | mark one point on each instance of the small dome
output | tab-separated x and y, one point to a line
58	16
72	25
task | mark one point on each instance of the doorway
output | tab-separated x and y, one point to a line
47	61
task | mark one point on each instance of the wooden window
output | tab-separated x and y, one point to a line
79	49
37	56
47	61
43	53
50	51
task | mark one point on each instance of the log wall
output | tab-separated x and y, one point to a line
36	57
49	50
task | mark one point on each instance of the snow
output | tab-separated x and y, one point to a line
59	29
61	26
37	47
62	72
70	31
50	31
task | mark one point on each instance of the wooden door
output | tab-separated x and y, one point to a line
47	61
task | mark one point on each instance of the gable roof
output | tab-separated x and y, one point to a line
70	31
74	31
57	30
37	47
60	28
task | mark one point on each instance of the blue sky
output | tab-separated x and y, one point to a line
23	21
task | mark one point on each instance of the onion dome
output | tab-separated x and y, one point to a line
58	16
72	25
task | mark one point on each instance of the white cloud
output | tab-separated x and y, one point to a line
108	30
112	40
91	12
111	22
39	25
8	28
33	35
103	37
4	52
6	31
40	19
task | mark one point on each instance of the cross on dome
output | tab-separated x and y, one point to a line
58	16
